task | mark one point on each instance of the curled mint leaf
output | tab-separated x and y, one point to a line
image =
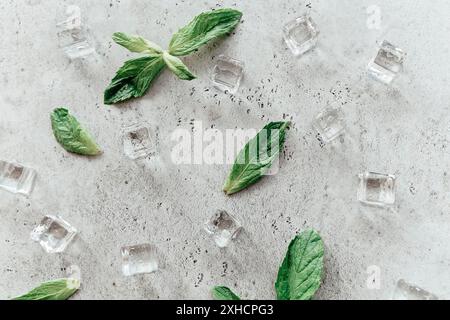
224	293
177	67
136	43
61	289
257	157
134	78
204	28
301	272
69	133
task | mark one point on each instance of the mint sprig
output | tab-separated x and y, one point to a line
135	77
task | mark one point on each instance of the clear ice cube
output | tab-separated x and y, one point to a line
138	142
406	291
223	227
54	234
329	124
376	189
74	39
227	74
16	178
301	35
139	259
387	64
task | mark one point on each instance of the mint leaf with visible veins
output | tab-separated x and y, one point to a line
257	157
300	274
70	135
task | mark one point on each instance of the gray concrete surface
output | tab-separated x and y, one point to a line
403	129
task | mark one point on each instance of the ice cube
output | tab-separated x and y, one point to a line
406	291
16	178
301	35
387	64
138	142
54	234
227	74
377	189
329	124
223	227
139	259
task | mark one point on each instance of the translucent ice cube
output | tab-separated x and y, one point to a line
301	35
138	142
227	74
54	234
376	189
387	64
329	124
406	291
223	227
16	178
139	259
74	37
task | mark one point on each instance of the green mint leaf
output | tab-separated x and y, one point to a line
224	293
300	274
204	27
69	133
134	78
136	43
177	67
257	157
61	289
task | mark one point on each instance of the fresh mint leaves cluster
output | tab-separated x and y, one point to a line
135	77
300	274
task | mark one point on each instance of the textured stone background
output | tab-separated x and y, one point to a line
403	129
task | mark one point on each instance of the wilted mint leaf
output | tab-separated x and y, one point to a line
69	133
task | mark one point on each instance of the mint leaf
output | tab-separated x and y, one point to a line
134	78
61	289
202	29
136	43
300	274
177	67
255	160
69	133
224	293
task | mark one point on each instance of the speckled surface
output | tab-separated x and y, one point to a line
403	130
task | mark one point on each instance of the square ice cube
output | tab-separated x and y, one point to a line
227	74
138	142
406	291
376	189
139	259
16	178
54	234
223	227
74	39
387	64
301	35
329	124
